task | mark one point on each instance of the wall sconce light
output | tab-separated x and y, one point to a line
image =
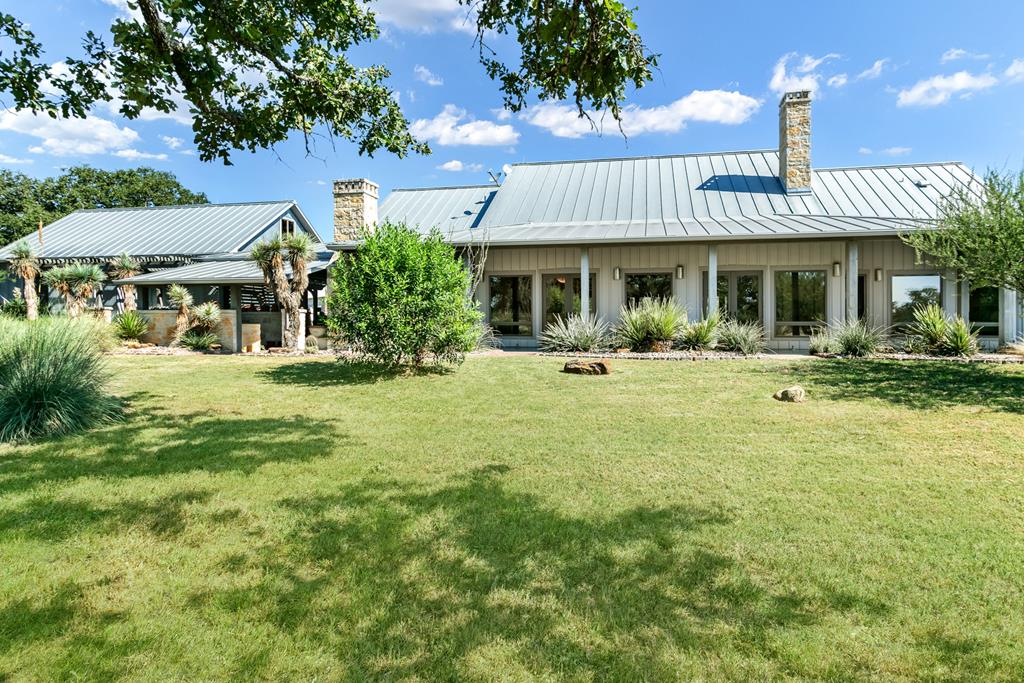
680	272
878	274
616	273
837	269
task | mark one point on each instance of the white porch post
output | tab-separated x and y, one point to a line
712	280
949	293
584	311
1007	315
852	273
236	304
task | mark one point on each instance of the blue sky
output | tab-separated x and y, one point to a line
894	82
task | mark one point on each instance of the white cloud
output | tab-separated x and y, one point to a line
171	141
424	16
1015	72
713	106
802	75
66	137
865	151
501	114
427	76
455	166
179	114
5	159
955	53
447	128
136	155
506	168
938	89
873	71
838	81
896	151
124	10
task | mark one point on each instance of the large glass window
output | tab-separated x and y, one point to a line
984	310
912	291
862	297
562	296
511	304
799	302
739	296
648	286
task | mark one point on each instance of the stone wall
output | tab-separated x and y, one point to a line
355	206
162	322
795	141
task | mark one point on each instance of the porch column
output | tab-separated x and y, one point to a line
584	311
949	293
712	280
852	273
236	304
1007	315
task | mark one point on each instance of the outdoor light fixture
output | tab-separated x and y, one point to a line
836	269
878	274
680	272
616	273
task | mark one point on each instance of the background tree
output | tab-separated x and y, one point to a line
270	256
121	267
404	297
980	235
25	265
24	201
252	72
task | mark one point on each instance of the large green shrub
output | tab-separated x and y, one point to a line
649	322
746	338
52	378
404	297
575	334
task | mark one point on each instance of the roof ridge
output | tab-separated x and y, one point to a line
184	206
646	156
909	164
445	187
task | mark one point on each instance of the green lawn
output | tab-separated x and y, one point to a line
275	519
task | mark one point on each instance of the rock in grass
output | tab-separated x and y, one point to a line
588	367
793	394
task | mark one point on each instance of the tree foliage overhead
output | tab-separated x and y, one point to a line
24	201
980	237
251	72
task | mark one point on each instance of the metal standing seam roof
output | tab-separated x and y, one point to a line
692	196
449	209
233	272
158	231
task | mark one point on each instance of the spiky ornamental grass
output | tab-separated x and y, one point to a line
52	378
575	334
746	338
858	339
701	335
130	325
643	324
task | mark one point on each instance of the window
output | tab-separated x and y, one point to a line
862	295
910	292
511	304
287	227
648	286
562	296
739	296
799	302
984	310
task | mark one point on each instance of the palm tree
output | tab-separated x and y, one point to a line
181	298
59	279
25	265
269	256
121	267
87	279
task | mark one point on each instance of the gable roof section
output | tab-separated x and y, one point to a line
187	231
693	196
449	209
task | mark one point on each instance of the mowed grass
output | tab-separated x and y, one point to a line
277	519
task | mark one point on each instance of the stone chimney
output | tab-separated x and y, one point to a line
795	142
355	207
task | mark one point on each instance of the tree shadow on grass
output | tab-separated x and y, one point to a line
401	581
917	384
344	371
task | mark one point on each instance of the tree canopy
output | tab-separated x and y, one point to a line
251	72
24	201
981	235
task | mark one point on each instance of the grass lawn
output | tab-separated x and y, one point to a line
260	518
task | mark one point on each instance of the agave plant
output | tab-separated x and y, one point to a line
121	267
25	265
575	334
197	340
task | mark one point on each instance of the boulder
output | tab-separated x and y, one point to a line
793	394
588	367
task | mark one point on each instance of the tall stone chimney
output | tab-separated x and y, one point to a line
795	142
355	207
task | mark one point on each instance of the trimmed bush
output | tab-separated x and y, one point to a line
575	333
648	323
821	342
746	338
52	378
857	339
701	335
196	340
130	325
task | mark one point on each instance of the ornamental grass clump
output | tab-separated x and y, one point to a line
197	340
746	338
701	335
821	342
650	325
575	333
52	378
857	339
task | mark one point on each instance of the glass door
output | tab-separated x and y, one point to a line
562	296
739	295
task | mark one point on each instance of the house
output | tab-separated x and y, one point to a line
784	243
202	247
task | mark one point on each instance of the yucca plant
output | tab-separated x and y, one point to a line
196	340
130	325
857	339
205	317
701	335
575	333
52	378
122	267
181	298
650	324
746	338
77	283
929	327
960	339
821	342
24	264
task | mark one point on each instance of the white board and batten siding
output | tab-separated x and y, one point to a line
765	257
